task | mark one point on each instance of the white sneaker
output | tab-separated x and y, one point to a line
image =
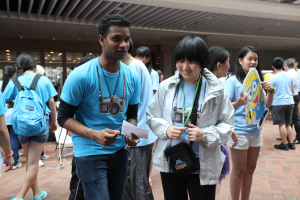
44	157
41	164
19	164
20	152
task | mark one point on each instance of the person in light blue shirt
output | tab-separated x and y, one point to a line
137	184
143	54
249	136
102	93
33	145
4	138
283	104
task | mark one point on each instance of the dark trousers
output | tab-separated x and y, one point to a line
14	142
137	185
295	117
177	188
75	185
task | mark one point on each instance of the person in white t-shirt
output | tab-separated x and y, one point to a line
289	68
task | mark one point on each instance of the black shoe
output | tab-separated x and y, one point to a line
281	146
292	146
297	141
278	138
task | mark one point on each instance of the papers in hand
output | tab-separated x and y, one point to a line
128	128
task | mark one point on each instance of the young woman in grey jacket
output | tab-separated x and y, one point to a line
215	122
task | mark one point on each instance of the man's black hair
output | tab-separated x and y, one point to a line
238	71
217	54
277	63
112	20
130	49
87	58
145	52
192	48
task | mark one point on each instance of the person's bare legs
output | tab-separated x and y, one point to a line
239	161
252	157
289	133
32	151
283	133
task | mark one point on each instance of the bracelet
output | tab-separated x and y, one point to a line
9	154
87	133
273	91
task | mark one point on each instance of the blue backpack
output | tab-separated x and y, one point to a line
29	113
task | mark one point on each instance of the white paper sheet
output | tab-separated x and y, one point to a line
128	128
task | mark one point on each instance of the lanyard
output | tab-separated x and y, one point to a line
130	60
183	112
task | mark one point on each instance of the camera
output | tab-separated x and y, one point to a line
112	105
177	117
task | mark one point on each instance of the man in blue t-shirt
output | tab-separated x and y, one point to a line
137	184
102	93
283	104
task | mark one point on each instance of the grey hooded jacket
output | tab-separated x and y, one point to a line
216	121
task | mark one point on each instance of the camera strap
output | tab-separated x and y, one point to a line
100	90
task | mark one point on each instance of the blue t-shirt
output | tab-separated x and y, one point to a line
145	99
9	112
283	84
189	93
44	88
233	89
3	107
82	89
154	79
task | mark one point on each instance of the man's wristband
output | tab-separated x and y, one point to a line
7	155
273	91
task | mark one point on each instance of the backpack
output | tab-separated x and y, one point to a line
29	113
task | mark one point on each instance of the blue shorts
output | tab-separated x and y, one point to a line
40	138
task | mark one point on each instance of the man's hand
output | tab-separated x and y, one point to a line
132	141
195	133
174	132
235	138
53	126
9	162
105	137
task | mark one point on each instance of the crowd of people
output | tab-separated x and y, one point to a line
192	118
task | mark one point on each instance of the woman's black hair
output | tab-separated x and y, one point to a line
142	52
192	48
239	72
159	73
216	54
25	62
9	72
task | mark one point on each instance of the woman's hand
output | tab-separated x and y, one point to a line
267	86
9	162
235	138
53	126
195	133
241	101
174	132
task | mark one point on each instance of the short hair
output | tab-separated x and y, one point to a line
216	54
192	48
295	60
277	63
40	70
130	49
145	52
289	62
25	62
87	58
238	71
112	20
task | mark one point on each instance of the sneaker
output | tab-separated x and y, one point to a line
282	146
42	195
20	152
44	157
292	146
19	164
150	181
41	164
16	198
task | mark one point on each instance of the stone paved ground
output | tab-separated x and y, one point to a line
277	176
